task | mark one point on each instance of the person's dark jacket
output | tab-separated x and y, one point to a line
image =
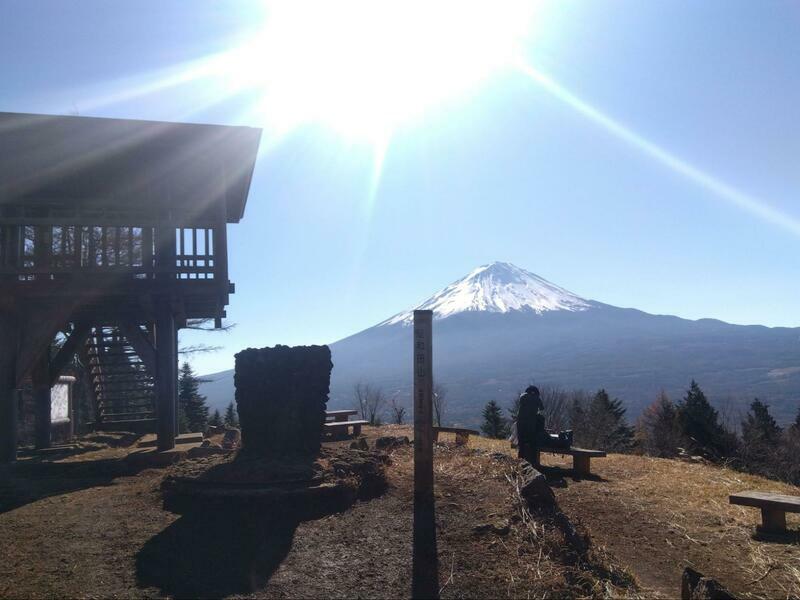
530	423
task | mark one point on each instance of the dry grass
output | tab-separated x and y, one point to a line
535	559
686	501
693	499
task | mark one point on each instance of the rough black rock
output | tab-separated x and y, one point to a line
281	397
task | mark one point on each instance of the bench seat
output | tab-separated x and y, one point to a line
773	508
462	434
581	457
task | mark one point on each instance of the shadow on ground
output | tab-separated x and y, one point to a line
214	555
239	519
557	476
27	481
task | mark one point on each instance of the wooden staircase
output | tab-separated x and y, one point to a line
124	390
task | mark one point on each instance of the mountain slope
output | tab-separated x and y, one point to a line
501	327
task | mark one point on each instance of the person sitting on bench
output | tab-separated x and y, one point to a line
531	432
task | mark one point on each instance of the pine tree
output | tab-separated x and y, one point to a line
231	418
216	419
699	423
193	415
657	430
760	427
494	424
605	426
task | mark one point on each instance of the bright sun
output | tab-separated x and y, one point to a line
364	67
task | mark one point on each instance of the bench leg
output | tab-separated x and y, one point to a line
435	435
581	465
772	520
462	439
357	430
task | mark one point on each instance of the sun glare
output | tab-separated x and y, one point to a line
364	67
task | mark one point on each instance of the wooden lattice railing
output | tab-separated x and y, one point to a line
36	252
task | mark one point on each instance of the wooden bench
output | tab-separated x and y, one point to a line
462	434
581	457
340	415
335	427
773	508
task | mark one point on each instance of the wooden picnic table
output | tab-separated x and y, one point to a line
340	415
773	508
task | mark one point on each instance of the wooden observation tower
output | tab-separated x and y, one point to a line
112	233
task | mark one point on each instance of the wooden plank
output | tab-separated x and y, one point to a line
40	381
574	452
344	424
9	339
166	371
759	499
425	559
457	430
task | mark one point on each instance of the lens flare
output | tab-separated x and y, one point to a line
751	204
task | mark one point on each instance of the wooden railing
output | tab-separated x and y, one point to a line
37	252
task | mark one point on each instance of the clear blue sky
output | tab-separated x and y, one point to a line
659	168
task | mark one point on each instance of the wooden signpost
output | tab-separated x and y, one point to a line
425	571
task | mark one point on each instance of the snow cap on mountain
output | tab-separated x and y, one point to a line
498	287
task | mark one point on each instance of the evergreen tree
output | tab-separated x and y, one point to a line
494	424
760	427
699	423
231	418
760	450
605	426
216	419
657	430
193	415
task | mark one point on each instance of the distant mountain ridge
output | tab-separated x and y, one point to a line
501	327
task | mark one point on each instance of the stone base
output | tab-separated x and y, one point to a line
295	489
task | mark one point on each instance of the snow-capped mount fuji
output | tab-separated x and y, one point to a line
499	287
501	327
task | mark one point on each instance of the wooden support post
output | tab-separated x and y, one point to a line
9	341
165	256
40	380
773	520
425	568
166	374
581	465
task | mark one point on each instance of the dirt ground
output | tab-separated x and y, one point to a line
83	527
658	516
